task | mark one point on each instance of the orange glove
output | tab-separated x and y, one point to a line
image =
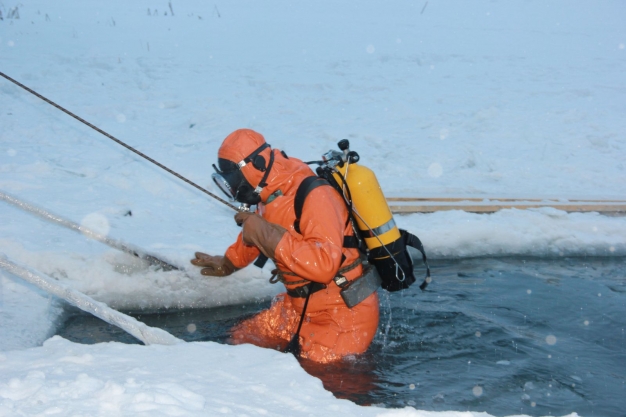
216	266
256	231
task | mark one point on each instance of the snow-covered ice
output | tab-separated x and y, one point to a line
480	99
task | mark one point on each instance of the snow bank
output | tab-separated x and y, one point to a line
191	379
543	232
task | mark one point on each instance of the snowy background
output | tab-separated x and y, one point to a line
441	98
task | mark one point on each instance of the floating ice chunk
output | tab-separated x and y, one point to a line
551	340
505	363
477	391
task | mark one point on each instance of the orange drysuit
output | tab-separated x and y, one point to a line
330	329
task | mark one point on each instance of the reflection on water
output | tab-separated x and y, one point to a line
504	335
353	379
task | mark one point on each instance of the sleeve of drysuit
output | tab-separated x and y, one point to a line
316	253
240	254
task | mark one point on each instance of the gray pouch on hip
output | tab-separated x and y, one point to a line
361	288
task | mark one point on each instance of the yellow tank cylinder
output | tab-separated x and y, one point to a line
370	206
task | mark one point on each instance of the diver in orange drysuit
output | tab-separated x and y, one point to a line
257	174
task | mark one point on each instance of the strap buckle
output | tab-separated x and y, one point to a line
341	281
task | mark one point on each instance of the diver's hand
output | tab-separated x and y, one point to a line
256	231
215	266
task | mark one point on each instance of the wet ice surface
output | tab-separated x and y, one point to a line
501	335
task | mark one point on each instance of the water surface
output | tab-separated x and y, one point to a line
501	335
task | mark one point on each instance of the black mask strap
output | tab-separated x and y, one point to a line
263	182
252	157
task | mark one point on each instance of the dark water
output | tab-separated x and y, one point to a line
504	335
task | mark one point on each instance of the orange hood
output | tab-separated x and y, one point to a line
242	142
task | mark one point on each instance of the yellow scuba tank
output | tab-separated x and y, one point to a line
386	244
372	214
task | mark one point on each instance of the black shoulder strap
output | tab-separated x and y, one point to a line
306	186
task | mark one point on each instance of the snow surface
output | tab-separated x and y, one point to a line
480	99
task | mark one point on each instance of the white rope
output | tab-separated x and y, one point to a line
148	335
85	231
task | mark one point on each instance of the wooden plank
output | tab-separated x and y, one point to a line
494	199
492	208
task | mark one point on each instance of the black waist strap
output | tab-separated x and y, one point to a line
303	291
